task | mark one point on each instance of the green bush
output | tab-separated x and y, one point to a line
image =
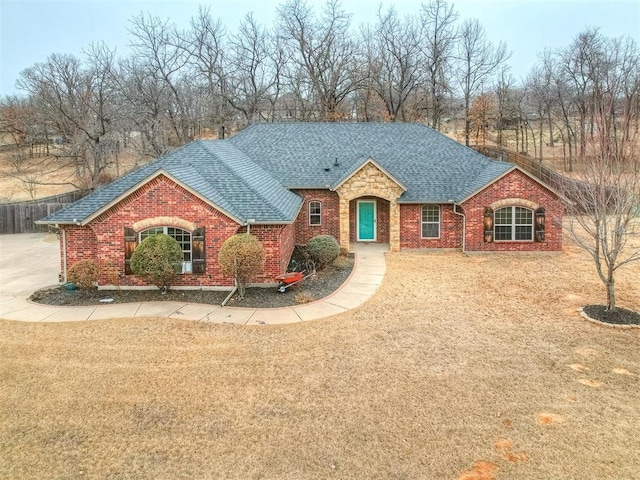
241	257
323	249
83	274
159	259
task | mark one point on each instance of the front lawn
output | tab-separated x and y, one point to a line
459	367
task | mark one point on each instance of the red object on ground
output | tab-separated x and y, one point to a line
291	277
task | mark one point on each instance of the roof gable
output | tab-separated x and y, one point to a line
358	168
147	180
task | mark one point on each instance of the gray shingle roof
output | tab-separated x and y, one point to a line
249	175
217	171
431	166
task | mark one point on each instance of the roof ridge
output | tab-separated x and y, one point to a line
242	178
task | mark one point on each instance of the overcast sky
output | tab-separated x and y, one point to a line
31	30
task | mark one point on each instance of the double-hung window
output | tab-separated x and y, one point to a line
430	221
315	213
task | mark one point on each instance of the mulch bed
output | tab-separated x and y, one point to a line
619	316
323	284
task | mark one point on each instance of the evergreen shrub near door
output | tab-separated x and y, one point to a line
158	259
323	249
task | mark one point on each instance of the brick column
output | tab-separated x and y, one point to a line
344	223
394	226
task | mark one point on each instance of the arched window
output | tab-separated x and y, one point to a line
181	236
513	224
315	213
430	221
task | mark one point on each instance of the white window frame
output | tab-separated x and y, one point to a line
319	214
514	225
431	222
187	265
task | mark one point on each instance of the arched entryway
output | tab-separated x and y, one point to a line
369	211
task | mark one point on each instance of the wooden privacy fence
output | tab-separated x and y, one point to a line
569	187
20	217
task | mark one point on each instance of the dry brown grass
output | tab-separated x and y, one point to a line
15	185
460	367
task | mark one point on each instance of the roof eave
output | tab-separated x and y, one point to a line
55	222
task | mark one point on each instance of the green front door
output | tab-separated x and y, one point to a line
366	220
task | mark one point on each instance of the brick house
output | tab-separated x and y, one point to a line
404	185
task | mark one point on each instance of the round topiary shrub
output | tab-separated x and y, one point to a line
159	259
323	249
241	257
83	274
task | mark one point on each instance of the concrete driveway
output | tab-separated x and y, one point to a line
28	261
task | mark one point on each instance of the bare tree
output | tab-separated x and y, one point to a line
506	108
582	66
253	72
18	116
207	44
77	101
324	57
159	50
438	19
478	59
606	208
393	60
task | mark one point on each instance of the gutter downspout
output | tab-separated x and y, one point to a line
64	255
464	228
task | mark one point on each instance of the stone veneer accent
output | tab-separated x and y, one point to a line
370	181
163	221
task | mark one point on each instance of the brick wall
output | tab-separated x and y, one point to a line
330	216
278	243
411	228
81	245
103	239
515	185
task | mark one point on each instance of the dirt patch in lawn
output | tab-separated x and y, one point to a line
447	358
314	287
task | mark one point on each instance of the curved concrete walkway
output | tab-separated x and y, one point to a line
30	261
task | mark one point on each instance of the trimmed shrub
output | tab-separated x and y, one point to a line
323	249
241	257
159	259
83	274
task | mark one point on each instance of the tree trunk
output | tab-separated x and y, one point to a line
611	295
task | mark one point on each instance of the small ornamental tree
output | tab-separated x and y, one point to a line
159	259
241	257
83	274
323	249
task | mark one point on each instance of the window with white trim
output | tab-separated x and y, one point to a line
181	236
513	224
430	221
315	213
